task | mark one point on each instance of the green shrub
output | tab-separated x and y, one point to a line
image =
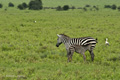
87	5
113	7
119	8
85	9
10	4
35	5
65	7
59	8
20	6
73	7
1	5
24	5
107	6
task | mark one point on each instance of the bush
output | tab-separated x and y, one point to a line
59	8
10	5
87	5
95	8
24	5
1	5
107	6
35	5
113	7
119	8
85	9
65	7
20	6
73	7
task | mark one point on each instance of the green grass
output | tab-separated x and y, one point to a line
28	51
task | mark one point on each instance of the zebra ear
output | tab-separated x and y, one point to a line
58	35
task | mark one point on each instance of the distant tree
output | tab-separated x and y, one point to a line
79	8
59	8
85	9
20	6
73	7
87	5
35	5
107	6
53	8
1	5
10	4
65	7
119	8
24	5
95	8
113	7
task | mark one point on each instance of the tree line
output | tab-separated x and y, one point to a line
37	5
32	5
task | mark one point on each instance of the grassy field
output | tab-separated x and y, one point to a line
28	51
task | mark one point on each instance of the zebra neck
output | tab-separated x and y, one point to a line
65	40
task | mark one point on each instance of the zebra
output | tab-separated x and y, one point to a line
78	45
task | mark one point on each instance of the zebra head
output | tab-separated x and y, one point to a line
59	40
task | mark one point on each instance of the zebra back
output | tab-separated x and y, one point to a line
84	41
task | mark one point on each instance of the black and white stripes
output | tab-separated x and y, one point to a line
83	41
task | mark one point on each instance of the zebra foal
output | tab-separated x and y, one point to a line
79	45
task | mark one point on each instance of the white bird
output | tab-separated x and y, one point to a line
106	42
34	21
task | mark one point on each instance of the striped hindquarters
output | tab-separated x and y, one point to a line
84	41
88	41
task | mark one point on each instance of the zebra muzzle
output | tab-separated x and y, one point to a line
57	45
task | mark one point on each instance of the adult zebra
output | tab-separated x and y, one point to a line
79	45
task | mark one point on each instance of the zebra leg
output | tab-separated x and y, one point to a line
84	57
92	55
70	53
70	56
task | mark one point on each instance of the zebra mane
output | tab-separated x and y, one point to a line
64	35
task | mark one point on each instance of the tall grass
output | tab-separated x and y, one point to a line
28	51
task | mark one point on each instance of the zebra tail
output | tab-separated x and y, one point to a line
96	40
